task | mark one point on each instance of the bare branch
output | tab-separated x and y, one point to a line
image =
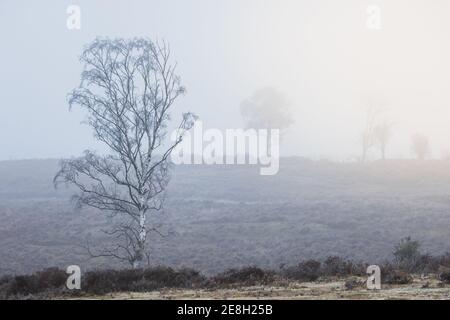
127	88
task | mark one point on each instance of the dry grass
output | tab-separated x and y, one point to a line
421	289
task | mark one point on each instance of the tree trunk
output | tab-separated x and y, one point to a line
140	252
364	154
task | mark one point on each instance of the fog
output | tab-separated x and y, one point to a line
319	53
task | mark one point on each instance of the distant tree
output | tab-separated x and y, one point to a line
382	135
420	146
445	155
127	88
367	135
268	108
407	253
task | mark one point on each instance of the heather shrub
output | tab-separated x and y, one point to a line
105	281
391	275
50	279
336	266
309	270
248	276
444	276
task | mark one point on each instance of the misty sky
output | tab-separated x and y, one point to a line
319	53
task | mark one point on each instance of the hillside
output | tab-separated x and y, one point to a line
217	217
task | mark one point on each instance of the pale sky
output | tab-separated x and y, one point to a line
320	53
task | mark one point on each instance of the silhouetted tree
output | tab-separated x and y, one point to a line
420	146
268	108
367	135
382	134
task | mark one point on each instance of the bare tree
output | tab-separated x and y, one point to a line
382	134
367	135
420	146
268	108
127	88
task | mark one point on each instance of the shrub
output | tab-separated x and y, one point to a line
248	276
141	280
336	266
22	285
5	280
51	278
309	270
407	254
42	281
353	283
391	276
438	264
444	276
424	264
